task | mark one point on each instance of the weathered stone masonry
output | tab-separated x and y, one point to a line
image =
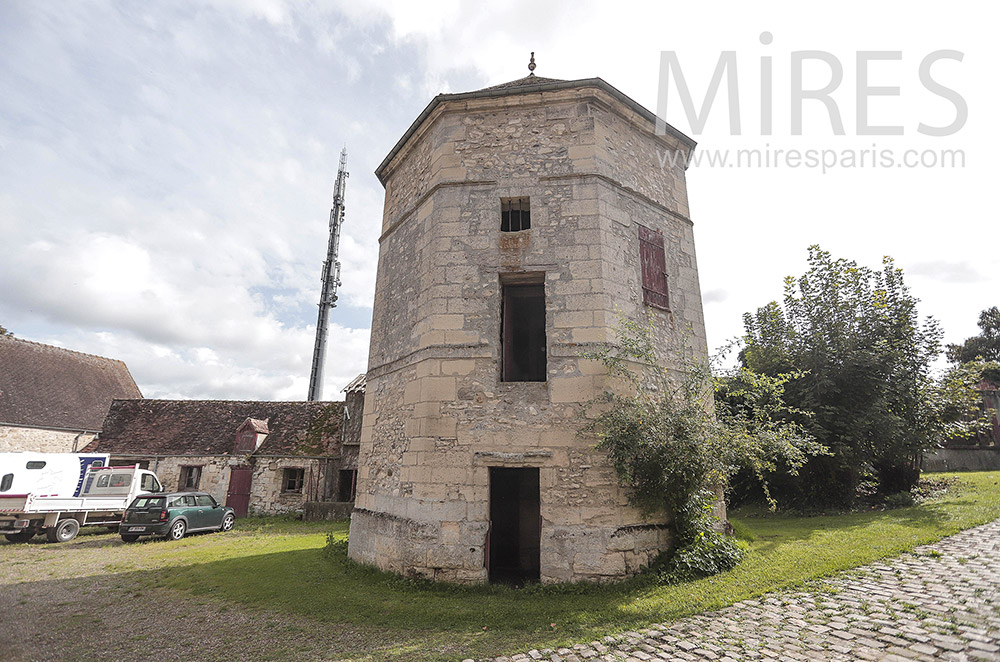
437	415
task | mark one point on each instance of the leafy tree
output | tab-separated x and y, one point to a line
961	412
5	332
856	335
673	452
985	346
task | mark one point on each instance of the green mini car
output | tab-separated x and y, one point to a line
174	515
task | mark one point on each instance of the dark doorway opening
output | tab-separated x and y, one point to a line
514	545
348	484
522	332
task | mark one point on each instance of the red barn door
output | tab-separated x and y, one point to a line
239	490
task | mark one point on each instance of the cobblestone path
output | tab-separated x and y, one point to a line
941	602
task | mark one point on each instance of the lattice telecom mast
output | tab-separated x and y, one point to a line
331	281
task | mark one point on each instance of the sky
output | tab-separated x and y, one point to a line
166	169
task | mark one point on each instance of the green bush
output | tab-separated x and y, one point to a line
710	554
900	500
673	444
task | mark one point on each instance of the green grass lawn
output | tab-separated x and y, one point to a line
281	566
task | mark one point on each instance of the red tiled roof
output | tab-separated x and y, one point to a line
52	387
208	427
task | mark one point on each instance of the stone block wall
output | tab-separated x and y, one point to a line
14	439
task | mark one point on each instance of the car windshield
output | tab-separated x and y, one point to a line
148	502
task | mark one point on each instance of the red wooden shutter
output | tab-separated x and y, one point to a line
653	260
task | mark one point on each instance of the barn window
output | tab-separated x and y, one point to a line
246	440
190	478
515	214
522	329
292	480
653	261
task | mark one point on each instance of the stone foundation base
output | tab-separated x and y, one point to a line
454	551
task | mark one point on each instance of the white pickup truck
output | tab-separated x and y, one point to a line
57	493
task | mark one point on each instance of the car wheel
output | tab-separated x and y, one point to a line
227	522
20	536
129	537
177	530
64	531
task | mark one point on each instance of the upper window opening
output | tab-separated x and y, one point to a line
522	332
515	214
35	464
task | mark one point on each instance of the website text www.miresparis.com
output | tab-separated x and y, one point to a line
934	109
824	160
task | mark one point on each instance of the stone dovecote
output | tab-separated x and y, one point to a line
472	465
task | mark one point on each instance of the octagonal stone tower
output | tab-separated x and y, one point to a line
520	221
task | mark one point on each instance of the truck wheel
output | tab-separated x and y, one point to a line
129	537
20	536
64	531
177	530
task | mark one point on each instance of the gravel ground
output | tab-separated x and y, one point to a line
85	601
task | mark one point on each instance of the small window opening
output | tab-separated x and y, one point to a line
190	478
522	332
35	464
515	214
348	484
6	482
292	480
102	480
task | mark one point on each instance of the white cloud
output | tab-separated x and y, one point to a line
949	272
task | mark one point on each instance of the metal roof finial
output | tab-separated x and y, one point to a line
531	64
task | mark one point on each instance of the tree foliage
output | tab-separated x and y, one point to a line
985	346
856	335
5	332
961	411
673	448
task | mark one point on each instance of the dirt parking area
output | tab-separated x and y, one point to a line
97	598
